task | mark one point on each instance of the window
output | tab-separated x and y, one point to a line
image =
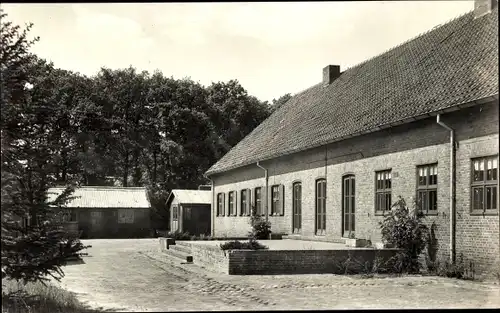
220	204
95	217
484	185
175	212
232	211
125	216
427	188
244	203
275	204
320	206
383	185
258	201
297	207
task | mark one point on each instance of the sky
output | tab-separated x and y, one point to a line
270	48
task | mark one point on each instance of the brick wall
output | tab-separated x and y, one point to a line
208	256
274	262
400	149
477	236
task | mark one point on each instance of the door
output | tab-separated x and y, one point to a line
348	206
175	218
297	208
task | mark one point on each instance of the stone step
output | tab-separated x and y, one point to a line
177	254
181	248
183	243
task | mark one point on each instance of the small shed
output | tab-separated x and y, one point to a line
190	211
108	212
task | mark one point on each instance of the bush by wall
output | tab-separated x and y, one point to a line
239	245
404	229
261	229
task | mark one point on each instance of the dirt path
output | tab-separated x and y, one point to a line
131	275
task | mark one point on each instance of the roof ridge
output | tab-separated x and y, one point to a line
409	40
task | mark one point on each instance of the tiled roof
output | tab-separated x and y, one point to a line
451	65
105	197
191	196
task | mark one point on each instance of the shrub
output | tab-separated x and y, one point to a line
176	235
404	229
459	270
245	245
205	237
38	297
261	229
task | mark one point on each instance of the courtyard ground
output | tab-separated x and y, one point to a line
132	275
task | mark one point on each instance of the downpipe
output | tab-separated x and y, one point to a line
452	189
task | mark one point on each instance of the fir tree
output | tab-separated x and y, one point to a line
34	244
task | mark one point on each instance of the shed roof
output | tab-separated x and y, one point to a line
444	69
191	196
105	197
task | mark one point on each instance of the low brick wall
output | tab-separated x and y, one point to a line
210	257
274	262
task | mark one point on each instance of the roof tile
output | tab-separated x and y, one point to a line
450	65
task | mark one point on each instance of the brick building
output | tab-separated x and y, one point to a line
418	121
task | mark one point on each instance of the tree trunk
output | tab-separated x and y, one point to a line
154	165
137	170
64	173
125	170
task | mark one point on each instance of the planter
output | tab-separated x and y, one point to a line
356	243
381	245
276	236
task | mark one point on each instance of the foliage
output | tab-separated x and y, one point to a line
118	127
39	298
404	229
34	246
277	103
460	269
176	235
261	229
245	245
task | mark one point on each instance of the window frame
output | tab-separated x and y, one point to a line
244	205
275	200
126	216
297	205
175	212
383	191
258	200
483	184
220	204
317	216
427	188
231	204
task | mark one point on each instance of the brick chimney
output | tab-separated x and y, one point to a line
483	7
330	73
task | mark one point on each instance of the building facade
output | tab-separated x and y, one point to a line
190	211
108	212
330	161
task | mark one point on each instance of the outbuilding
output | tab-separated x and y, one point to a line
108	212
190	211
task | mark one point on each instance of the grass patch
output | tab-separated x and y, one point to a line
37	298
